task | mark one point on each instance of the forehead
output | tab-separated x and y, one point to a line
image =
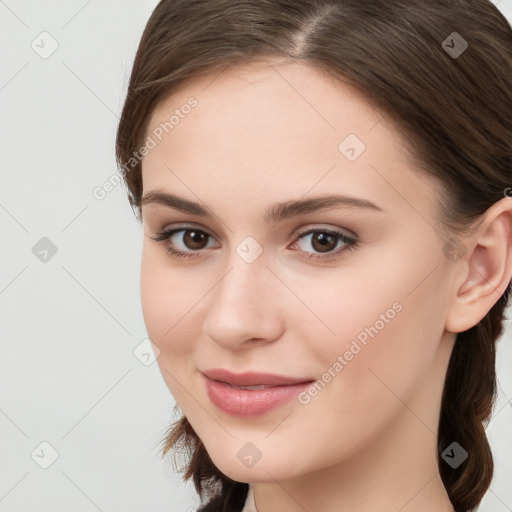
281	124
254	87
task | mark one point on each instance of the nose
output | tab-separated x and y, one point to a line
244	306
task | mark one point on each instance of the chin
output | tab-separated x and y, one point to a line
237	464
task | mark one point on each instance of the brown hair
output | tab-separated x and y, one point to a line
453	111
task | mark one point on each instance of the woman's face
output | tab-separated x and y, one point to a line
262	293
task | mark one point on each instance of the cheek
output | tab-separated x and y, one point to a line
384	322
169	302
168	296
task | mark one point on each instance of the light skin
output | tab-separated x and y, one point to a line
266	133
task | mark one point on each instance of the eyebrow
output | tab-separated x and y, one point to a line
275	213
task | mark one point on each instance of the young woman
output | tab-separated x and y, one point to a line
324	191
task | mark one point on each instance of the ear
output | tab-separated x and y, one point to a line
484	269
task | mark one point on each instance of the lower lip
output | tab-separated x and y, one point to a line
251	402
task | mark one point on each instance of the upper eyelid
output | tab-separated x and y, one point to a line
344	231
187	227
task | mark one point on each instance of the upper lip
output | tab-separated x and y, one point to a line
252	378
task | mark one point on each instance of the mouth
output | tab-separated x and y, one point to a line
254	380
262	386
251	400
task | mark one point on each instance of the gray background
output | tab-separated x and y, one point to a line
70	325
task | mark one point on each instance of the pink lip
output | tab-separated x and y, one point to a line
247	402
252	378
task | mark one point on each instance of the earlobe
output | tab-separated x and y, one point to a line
488	269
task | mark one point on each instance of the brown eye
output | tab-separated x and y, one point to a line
323	242
189	242
194	239
184	242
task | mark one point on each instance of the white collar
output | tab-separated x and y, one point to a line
250	505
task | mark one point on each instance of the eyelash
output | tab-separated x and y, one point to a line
164	236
